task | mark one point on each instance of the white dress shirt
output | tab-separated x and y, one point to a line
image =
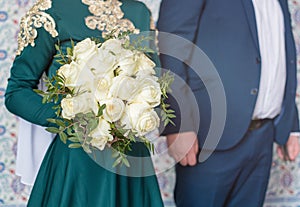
270	28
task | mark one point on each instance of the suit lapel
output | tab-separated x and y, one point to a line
249	9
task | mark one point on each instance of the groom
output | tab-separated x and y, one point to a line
251	45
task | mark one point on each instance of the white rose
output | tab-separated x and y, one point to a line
101	134
102	62
140	117
84	50
114	109
145	66
123	87
113	45
148	91
127	63
135	63
71	73
78	104
101	86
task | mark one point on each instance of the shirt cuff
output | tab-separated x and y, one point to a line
295	134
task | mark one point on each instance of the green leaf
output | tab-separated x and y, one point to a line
170	111
52	120
86	149
73	44
171	116
75	145
167	105
63	137
83	122
69	131
58	112
166	122
73	139
163	116
56	99
44	100
172	122
92	125
117	161
57	47
69	51
90	115
125	162
60	79
115	154
39	91
53	130
79	115
131	137
100	111
60	123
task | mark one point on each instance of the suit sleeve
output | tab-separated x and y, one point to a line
295	127
180	18
27	69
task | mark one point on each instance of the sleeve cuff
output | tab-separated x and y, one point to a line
295	134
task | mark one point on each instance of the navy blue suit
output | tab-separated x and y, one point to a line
226	31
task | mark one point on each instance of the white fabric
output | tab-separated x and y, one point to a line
270	28
33	142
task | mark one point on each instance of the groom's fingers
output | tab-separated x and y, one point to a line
293	147
184	161
196	146
191	158
280	153
180	145
192	154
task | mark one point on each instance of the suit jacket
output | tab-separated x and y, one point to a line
226	32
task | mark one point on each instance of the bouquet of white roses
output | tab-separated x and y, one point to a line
106	94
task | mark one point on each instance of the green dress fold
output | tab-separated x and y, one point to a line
70	177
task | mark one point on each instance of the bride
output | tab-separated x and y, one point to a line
69	177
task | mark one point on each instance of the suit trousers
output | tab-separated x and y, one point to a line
230	178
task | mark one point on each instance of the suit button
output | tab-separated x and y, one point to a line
258	60
254	91
292	61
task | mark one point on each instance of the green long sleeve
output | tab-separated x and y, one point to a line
26	72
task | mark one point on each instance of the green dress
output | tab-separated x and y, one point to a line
70	177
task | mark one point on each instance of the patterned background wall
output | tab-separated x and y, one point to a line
284	188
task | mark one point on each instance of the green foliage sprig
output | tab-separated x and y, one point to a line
166	113
62	57
138	44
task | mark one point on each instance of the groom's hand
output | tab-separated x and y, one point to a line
183	147
291	150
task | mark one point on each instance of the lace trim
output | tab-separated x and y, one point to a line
108	17
35	18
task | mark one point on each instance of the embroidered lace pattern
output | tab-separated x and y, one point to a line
35	18
108	17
